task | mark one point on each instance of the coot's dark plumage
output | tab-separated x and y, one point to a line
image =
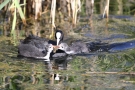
34	46
31	51
76	47
80	47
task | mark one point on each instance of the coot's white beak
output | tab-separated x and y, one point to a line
58	35
58	40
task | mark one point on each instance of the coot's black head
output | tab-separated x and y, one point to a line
59	36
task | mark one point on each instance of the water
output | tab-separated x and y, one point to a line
96	71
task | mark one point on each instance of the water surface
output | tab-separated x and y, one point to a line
96	71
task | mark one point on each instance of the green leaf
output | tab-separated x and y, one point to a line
13	33
4	3
20	10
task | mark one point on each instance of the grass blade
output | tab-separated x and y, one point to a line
14	22
20	11
4	4
13	33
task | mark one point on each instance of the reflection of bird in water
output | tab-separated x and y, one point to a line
37	47
60	63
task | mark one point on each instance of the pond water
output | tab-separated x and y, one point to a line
96	71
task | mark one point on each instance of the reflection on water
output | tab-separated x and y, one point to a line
99	71
95	71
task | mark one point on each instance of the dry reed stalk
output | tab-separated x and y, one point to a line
106	10
24	8
38	8
53	8
92	2
73	9
69	8
90	19
75	6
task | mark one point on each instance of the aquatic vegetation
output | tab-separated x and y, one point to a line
14	7
97	71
